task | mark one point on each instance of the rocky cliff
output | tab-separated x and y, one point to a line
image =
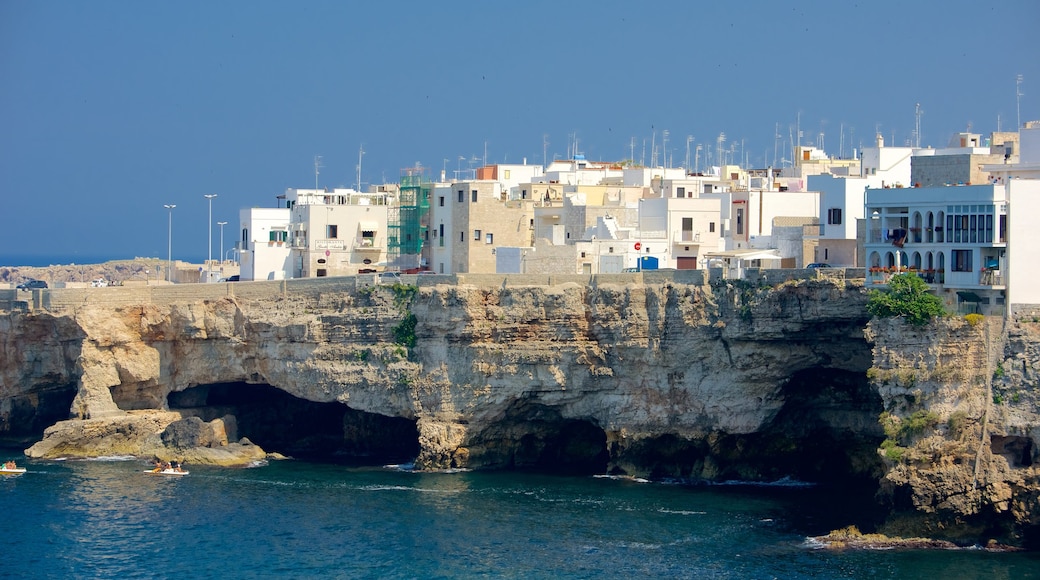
658	379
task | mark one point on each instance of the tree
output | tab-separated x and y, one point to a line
908	296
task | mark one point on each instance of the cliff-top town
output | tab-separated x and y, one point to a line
942	213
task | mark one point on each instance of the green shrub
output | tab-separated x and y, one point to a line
404	332
893	452
957	421
908	296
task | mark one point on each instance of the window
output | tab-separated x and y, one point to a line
740	221
583	254
711	227
489	238
278	236
440	229
245	237
505	174
473	196
962	260
834	216
462	196
523	194
441	200
680	192
331	231
462	236
476	235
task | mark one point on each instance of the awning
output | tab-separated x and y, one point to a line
368	226
746	254
966	296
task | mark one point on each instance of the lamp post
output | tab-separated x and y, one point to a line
169	244
221	254
209	223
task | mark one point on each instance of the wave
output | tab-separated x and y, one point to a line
622	478
112	458
682	512
782	482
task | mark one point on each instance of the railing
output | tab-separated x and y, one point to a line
367	245
883	275
686	236
991	278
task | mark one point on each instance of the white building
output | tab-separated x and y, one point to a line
341	232
1021	184
952	236
677	232
264	252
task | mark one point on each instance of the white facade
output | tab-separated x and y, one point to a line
679	231
264	247
953	236
890	165
337	233
751	214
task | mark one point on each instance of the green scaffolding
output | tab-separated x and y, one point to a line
406	231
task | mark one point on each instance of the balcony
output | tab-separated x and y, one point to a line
686	237
367	245
991	278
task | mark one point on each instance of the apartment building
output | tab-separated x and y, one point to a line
469	220
338	232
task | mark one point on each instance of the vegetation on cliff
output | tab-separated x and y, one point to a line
907	296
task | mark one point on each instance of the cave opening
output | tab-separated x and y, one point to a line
535	438
280	422
31	413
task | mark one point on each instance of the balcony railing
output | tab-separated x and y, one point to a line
686	236
367	245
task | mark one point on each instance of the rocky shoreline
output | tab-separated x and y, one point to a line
665	380
850	538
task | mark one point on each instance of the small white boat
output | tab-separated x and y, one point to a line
11	470
166	471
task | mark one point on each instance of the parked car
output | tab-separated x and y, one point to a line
234	278
99	283
819	265
31	284
629	270
389	278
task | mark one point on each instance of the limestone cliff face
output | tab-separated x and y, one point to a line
963	423
664	379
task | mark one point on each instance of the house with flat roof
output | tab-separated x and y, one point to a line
263	248
954	237
338	232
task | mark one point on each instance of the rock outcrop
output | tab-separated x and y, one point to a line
663	379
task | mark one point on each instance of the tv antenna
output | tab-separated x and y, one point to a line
361	151
917	125
1018	101
317	169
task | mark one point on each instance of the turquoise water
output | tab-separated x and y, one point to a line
107	519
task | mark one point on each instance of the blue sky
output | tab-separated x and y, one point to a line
110	109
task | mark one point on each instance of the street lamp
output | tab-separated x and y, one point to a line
221	254
209	257
169	244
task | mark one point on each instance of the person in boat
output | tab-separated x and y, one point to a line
10	465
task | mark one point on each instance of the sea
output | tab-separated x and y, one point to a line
107	518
